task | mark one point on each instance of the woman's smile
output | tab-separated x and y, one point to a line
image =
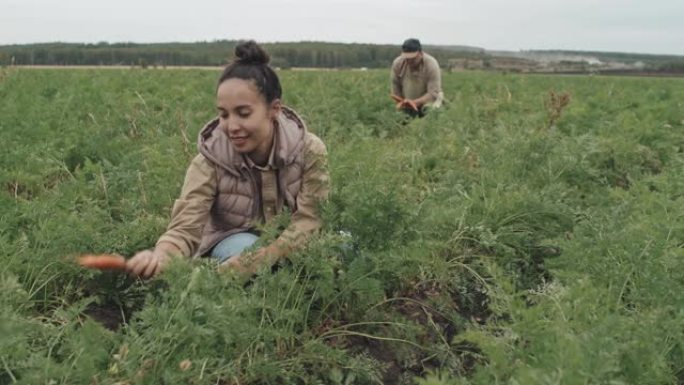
239	141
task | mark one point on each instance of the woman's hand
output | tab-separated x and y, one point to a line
237	265
248	264
148	263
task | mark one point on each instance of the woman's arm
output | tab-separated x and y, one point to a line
191	209
189	214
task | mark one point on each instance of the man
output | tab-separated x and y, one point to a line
416	80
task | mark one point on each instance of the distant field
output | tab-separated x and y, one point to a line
113	67
530	232
632	73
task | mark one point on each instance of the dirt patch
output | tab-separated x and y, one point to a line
426	343
19	190
111	316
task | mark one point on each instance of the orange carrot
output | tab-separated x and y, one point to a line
404	103
103	262
412	104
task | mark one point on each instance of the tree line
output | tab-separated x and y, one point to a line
283	55
215	53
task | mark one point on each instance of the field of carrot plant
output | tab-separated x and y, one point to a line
531	232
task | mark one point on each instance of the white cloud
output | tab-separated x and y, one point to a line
616	25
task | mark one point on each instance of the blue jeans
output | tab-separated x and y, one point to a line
232	245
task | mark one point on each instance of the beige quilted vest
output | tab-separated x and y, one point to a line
237	202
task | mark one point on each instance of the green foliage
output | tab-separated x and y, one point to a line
478	245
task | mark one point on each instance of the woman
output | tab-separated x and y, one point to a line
255	159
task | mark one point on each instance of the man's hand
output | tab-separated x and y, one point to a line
147	263
408	104
404	104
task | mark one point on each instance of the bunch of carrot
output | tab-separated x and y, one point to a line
404	103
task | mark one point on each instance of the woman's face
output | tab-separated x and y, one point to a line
245	117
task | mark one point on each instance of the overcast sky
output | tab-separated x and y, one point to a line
654	26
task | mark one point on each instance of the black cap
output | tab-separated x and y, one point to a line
411	45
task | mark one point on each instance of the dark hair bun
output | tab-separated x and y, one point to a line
249	52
